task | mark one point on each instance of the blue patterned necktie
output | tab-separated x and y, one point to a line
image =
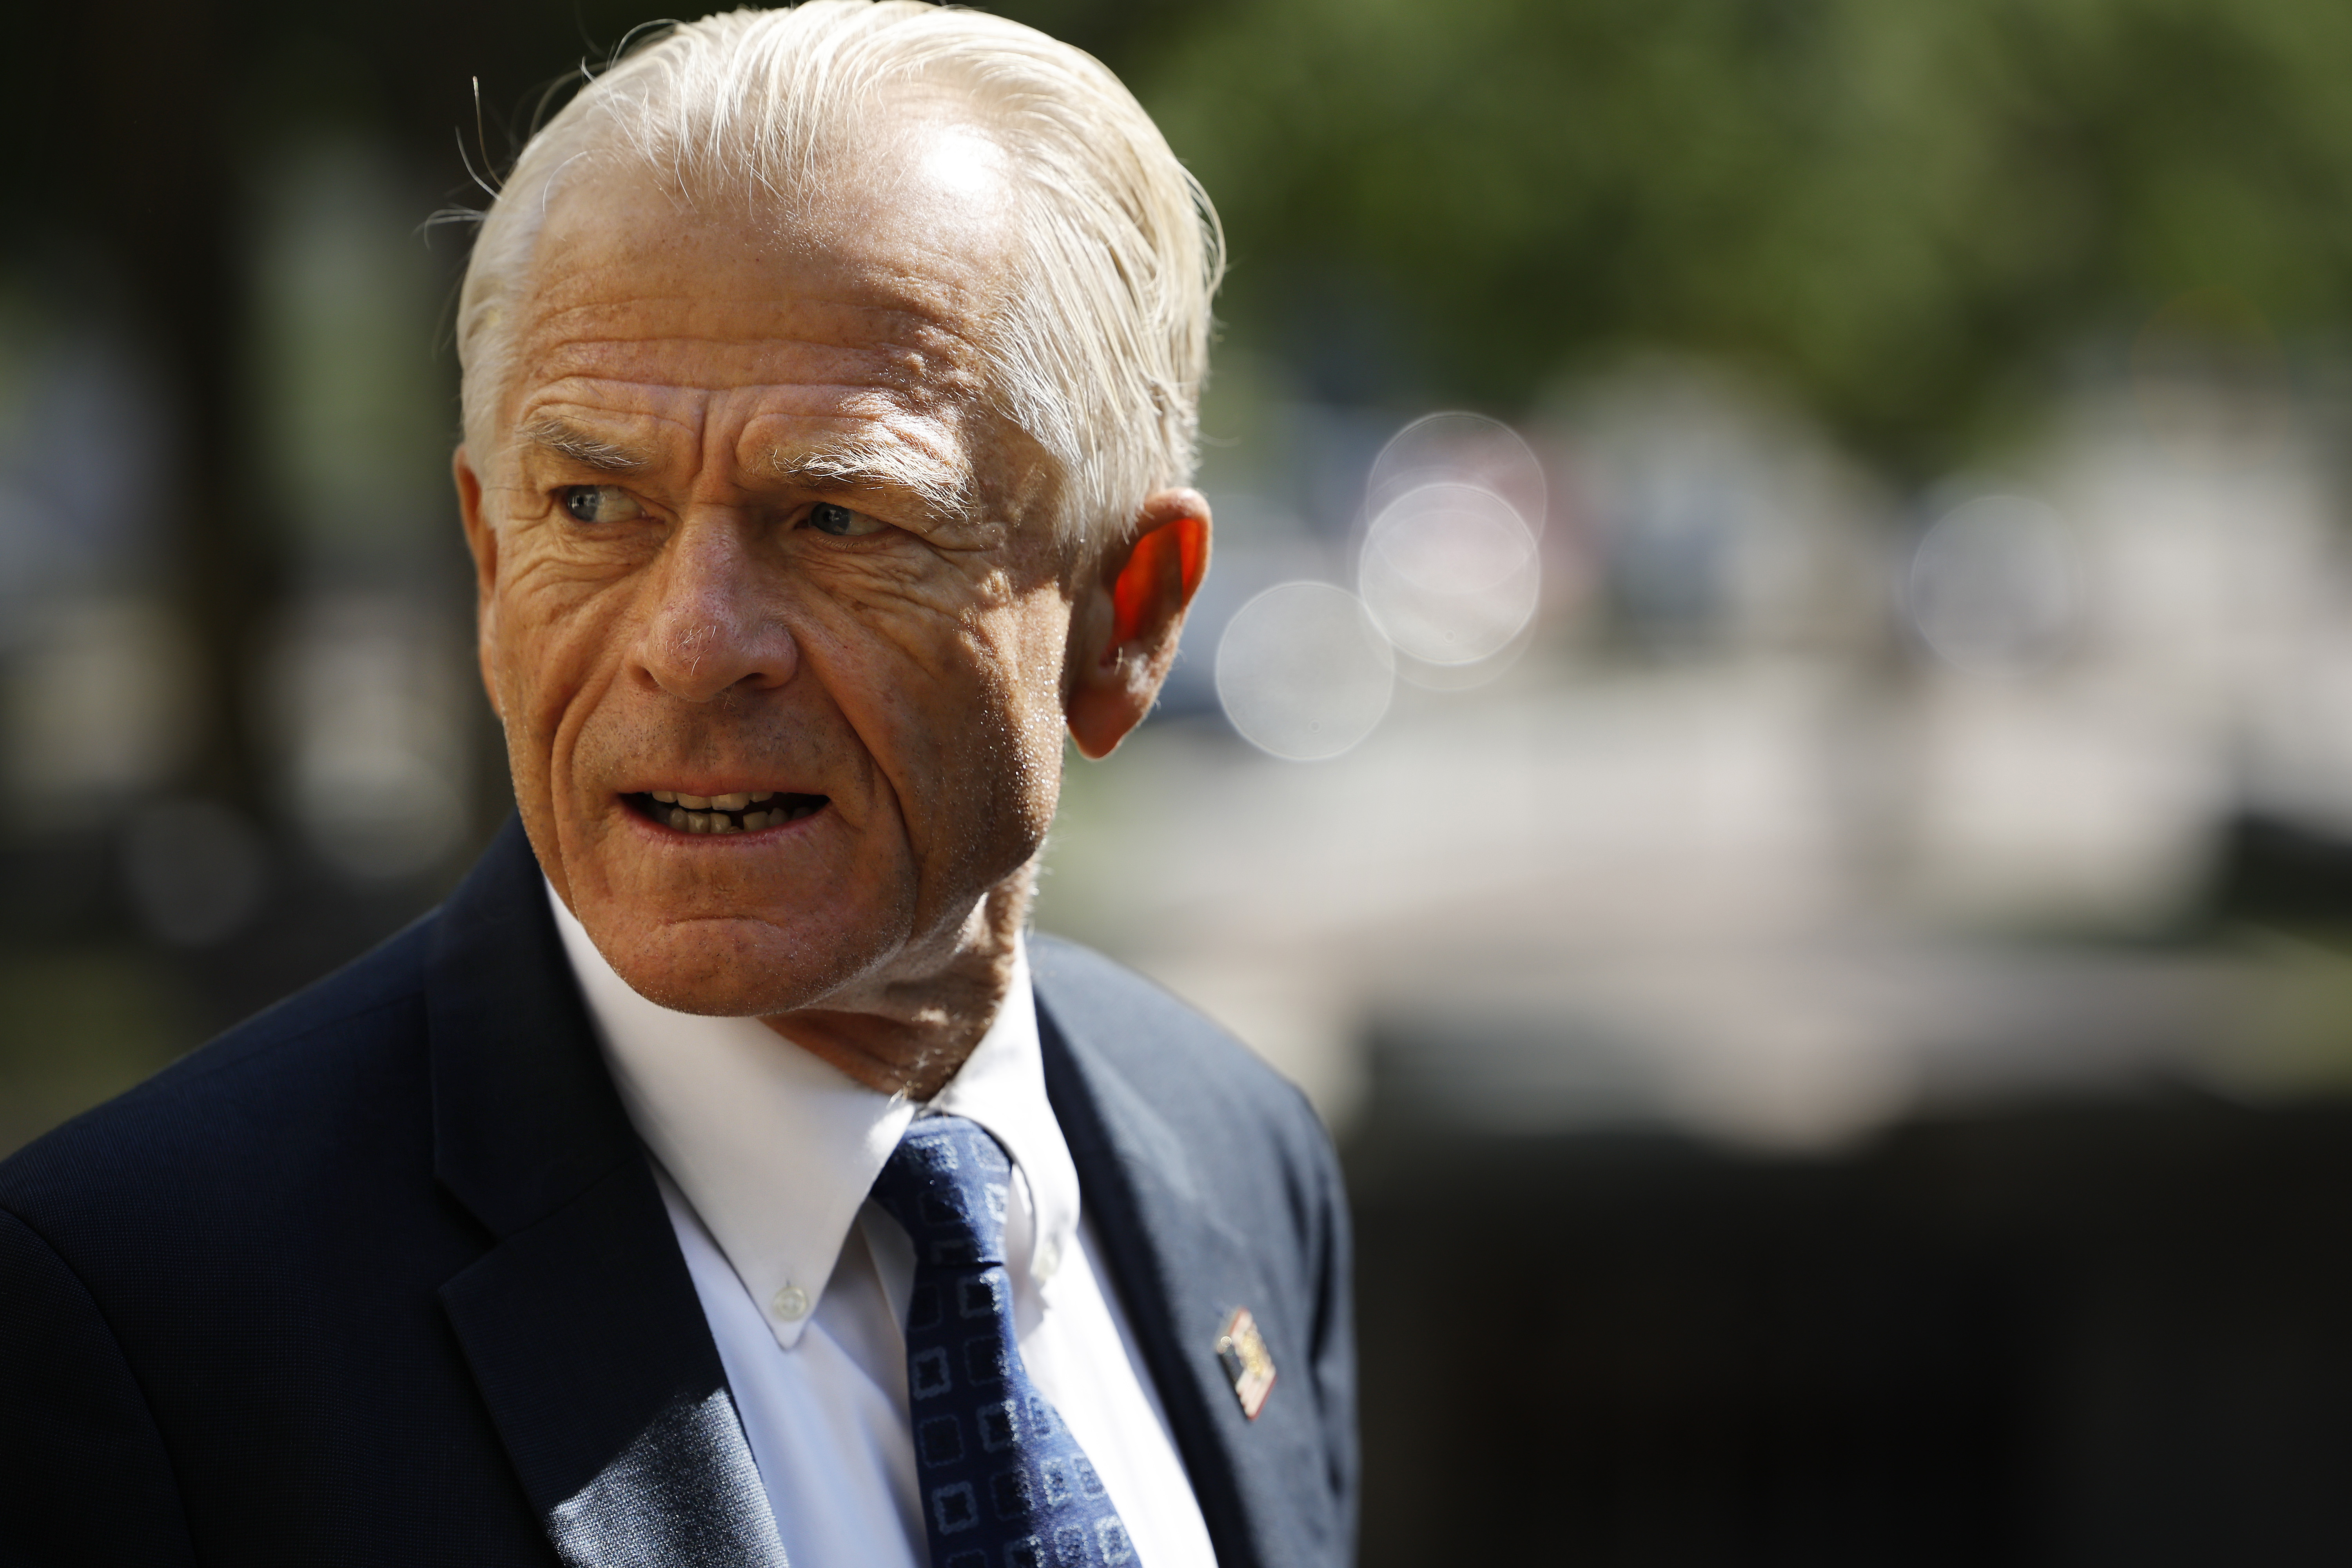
1004	1484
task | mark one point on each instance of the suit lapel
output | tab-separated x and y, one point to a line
1181	1269
580	1322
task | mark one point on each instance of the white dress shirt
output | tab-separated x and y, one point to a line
765	1155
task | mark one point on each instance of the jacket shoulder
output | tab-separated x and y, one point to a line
1134	1022
1186	1067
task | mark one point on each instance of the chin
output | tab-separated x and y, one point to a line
734	968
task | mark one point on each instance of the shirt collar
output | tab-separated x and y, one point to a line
777	1149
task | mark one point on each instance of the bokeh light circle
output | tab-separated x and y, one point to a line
1303	672
1992	583
1459	449
1451	573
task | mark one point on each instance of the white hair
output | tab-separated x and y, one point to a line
1103	344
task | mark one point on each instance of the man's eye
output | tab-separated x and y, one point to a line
841	522
600	503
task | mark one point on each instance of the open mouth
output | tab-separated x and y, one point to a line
724	814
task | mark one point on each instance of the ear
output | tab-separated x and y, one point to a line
482	541
1124	628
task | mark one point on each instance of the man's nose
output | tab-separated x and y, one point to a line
715	621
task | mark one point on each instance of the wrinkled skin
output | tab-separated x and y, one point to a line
720	548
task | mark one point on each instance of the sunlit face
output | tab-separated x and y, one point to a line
770	604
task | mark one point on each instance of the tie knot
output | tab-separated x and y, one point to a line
946	1183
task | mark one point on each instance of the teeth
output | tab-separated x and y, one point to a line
709	814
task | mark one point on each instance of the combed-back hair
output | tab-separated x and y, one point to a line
1103	344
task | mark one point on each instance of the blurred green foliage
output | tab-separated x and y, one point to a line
1919	215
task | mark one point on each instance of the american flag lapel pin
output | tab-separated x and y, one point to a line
1243	1351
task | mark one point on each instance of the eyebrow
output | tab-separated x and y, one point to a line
942	489
552	434
848	464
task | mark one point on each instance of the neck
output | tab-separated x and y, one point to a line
911	1030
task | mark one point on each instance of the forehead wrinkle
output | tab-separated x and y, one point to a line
928	327
918	373
912	343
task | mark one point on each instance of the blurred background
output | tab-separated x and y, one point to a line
1769	737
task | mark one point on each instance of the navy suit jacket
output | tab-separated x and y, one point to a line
382	1276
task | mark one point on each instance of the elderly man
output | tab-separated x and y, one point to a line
719	1176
